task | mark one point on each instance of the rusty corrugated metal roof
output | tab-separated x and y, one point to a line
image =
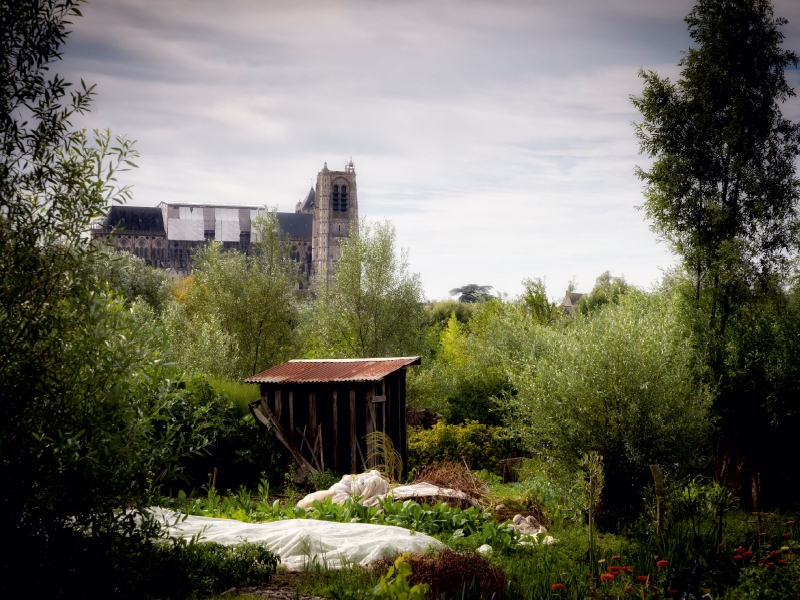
333	370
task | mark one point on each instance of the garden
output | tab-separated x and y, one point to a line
636	446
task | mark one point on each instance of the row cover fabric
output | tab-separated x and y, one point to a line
372	487
304	543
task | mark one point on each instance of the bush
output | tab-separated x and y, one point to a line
109	565
237	448
481	446
620	383
323	480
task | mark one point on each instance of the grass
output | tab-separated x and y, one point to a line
241	394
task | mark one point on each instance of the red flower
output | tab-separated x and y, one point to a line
786	535
769	566
628	570
781	562
740	550
642	578
790	522
615	557
556	586
662	564
762	561
737	557
628	590
614	569
606	577
773	554
747	555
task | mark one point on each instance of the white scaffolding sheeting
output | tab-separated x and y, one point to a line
185	229
227	225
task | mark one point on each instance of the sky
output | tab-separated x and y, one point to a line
495	135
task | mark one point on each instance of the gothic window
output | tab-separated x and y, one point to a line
344	198
336	197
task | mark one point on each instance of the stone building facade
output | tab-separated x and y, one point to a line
166	235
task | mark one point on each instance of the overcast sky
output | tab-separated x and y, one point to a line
495	135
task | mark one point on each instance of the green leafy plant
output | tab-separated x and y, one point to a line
395	586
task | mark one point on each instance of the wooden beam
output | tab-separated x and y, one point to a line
291	415
266	417
278	405
353	438
312	415
335	429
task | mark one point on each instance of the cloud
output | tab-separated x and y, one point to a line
495	135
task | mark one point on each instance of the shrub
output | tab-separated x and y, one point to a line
481	446
323	480
619	382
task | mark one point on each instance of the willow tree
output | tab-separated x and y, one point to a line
722	189
373	307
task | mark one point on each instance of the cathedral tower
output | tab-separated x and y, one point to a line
335	216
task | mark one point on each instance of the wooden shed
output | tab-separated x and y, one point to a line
321	410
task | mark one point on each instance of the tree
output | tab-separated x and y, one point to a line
619	383
607	290
373	307
540	308
132	278
84	410
723	192
472	292
722	189
236	316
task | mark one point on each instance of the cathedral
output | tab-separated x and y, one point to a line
166	235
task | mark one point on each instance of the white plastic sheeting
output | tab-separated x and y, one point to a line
371	487
304	542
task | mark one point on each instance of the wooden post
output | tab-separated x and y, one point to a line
353	439
278	405
291	416
312	415
335	430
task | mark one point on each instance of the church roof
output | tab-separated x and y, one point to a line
296	225
135	218
308	203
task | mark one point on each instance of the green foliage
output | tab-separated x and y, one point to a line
722	191
132	278
438	314
535	300
324	480
481	446
558	500
473	525
478	398
373	305
620	384
235	446
234	317
240	394
394	585
472	293
606	290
